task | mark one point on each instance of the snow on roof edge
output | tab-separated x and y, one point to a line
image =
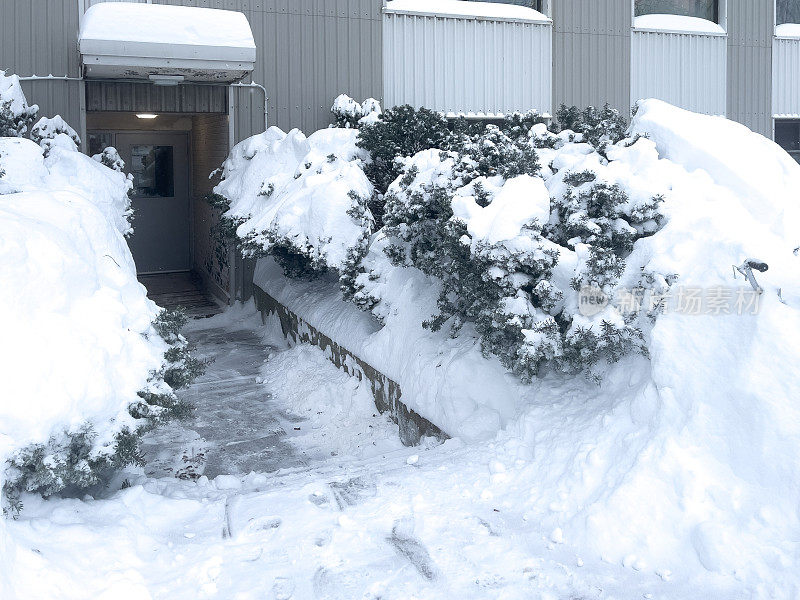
787	30
677	24
462	9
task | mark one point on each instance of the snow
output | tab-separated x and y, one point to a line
462	8
75	317
680	23
66	168
345	105
763	175
11	92
434	522
296	190
108	23
505	216
681	466
789	30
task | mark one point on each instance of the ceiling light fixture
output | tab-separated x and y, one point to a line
167	80
146	116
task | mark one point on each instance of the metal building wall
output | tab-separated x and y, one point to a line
39	37
685	69
467	65
750	35
786	78
592	53
308	52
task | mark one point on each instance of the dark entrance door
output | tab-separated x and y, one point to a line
159	165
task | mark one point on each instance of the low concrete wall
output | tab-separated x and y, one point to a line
385	392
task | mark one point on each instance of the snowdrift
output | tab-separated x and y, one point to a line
77	324
686	462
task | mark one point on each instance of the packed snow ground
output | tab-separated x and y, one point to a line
349	513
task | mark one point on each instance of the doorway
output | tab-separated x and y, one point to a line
177	237
158	161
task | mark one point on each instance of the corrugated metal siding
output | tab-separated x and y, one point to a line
592	53
308	52
750	34
39	37
786	78
146	97
688	70
467	66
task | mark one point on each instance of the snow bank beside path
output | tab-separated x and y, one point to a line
75	318
77	338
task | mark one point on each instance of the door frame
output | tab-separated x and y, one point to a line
114	133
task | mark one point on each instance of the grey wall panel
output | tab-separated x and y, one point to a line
750	32
39	37
467	66
145	97
684	69
592	53
58	98
308	52
785	79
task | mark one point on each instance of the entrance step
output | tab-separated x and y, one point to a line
171	290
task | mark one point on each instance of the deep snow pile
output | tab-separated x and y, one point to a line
685	461
77	324
305	195
84	350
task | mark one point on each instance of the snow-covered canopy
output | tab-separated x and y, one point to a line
136	40
460	8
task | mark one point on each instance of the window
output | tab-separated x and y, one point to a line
151	167
787	11
703	9
787	136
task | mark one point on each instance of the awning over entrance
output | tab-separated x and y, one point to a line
165	44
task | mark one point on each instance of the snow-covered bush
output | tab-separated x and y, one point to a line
349	114
301	199
400	132
55	131
681	466
598	127
180	368
15	114
110	158
445	212
469	206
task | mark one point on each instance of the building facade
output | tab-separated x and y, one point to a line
738	58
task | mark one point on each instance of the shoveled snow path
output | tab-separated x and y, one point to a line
375	520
